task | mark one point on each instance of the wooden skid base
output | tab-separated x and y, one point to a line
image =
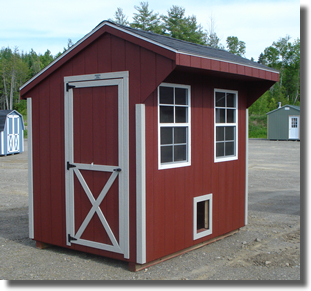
41	245
133	267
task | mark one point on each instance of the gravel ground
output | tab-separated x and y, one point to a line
268	248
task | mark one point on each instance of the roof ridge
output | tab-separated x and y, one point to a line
161	35
166	36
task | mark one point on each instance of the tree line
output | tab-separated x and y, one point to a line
17	67
284	56
177	25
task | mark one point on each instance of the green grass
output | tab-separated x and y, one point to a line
258	126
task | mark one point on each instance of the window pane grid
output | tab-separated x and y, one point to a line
225	124
173	124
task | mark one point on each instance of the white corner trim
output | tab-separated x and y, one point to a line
140	183
2	143
246	166
30	168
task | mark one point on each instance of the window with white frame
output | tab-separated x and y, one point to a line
173	125
202	216
226	120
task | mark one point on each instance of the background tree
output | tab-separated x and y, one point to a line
119	17
285	57
212	39
13	73
177	25
146	20
236	46
15	69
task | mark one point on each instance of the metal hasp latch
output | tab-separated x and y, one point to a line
68	87
117	170
70	166
70	238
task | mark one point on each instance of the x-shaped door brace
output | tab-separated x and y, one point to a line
12	142
95	205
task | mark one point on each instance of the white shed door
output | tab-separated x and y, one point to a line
13	133
293	132
96	141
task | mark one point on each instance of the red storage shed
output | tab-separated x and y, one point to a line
138	144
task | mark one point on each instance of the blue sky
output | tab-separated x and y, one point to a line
42	24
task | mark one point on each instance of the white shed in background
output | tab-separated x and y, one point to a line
11	132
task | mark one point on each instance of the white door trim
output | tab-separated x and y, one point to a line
119	79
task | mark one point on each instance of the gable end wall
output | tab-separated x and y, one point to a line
107	54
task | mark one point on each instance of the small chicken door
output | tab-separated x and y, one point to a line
97	161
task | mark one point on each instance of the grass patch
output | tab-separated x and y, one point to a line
258	126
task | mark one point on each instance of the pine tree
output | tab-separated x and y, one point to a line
119	17
177	25
236	46
145	19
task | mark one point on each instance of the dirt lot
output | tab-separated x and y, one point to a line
268	248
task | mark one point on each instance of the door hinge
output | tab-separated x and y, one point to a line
70	238
70	166
68	87
117	170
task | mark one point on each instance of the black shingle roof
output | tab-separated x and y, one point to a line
181	46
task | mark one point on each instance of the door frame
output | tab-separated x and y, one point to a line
290	126
120	79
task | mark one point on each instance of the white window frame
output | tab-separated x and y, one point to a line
233	157
187	124
196	234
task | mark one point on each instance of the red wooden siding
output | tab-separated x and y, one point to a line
48	171
170	192
94	118
107	53
216	65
